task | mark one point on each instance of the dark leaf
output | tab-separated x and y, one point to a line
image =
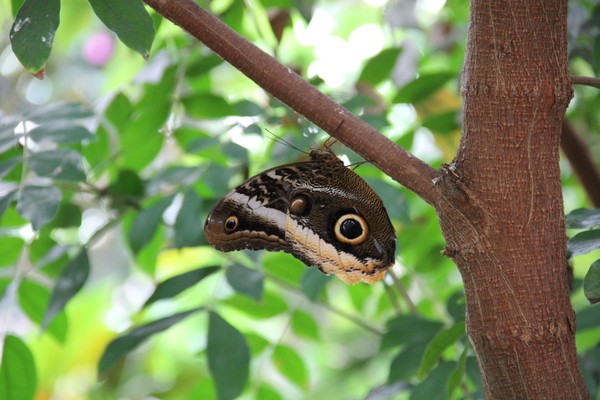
313	281
457	376
204	105
8	138
70	281
246	281
32	33
60	133
188	224
38	204
129	20
584	242
146	222
407	329
128	184
177	284
379	67
123	345
18	377
422	87
59	112
6	199
583	218
407	362
228	357
591	283
33	299
588	318
439	344
68	215
7	165
63	164
174	177
435	386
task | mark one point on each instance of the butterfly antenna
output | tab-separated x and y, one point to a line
279	139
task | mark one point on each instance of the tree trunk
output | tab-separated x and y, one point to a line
503	219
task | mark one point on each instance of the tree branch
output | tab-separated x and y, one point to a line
299	95
576	151
586	80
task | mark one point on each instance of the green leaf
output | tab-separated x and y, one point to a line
67	216
591	283
291	365
271	305
406	329
458	374
8	137
435	386
146	222
188	226
129	20
6	199
32	33
7	165
59	112
422	87
228	357
121	346
128	184
246	281
38	204
177	284
304	325
33	299
588	318
11	250
379	67
313	281
60	133
205	105
266	392
18	377
440	342
445	122
406	363
174	177
63	164
584	242
583	218
67	285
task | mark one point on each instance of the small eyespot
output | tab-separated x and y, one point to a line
299	205
231	223
351	229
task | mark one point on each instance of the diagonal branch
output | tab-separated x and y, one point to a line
578	154
299	95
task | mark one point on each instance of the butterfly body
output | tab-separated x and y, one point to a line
319	210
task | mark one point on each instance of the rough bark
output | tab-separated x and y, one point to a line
504	221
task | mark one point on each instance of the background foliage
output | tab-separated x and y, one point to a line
110	165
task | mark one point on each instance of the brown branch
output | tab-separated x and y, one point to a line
586	80
586	170
299	95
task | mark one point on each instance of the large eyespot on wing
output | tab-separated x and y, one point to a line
351	228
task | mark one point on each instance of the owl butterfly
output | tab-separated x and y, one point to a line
319	210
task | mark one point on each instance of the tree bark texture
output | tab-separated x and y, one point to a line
504	219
